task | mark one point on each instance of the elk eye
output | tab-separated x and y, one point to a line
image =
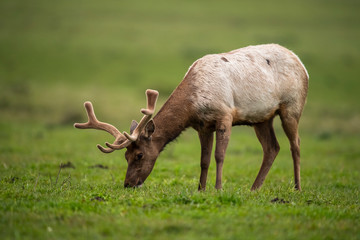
139	156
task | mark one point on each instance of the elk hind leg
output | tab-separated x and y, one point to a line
266	135
290	126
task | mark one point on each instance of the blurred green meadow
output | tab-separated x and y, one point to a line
54	55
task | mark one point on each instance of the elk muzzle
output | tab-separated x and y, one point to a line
136	184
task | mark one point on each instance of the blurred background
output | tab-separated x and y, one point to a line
54	55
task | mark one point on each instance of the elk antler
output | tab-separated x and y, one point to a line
151	96
121	140
96	124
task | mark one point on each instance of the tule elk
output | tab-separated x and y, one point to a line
247	86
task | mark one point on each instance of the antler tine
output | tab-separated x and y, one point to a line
151	96
104	150
96	124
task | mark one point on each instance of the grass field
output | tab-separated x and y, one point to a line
56	55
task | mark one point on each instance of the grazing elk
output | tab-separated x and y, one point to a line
248	86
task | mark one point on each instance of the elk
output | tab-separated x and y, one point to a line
247	86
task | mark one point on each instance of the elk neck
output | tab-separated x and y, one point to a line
173	117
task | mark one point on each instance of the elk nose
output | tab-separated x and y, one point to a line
139	183
126	185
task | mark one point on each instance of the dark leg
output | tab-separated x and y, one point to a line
206	141
266	135
223	131
290	125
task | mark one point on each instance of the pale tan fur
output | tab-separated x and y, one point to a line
251	84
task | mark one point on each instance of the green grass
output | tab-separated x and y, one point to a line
56	55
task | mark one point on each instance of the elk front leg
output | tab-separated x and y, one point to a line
223	131
206	141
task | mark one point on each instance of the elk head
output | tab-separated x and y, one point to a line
140	154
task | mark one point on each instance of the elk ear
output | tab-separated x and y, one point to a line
149	129
133	126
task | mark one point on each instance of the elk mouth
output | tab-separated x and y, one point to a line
138	184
